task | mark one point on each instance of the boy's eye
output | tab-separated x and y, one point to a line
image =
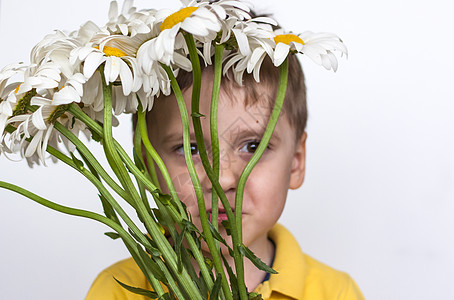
250	147
194	149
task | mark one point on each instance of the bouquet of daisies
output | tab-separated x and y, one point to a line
77	83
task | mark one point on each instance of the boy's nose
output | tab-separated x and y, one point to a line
229	175
228	178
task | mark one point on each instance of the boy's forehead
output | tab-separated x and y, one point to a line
240	108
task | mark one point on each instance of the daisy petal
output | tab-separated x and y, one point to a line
126	78
92	62
242	41
34	144
280	53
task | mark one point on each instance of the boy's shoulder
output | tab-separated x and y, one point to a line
301	276
126	271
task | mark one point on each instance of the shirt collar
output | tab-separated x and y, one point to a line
290	264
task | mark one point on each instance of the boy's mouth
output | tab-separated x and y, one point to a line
222	215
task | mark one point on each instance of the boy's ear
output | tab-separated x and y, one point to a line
299	164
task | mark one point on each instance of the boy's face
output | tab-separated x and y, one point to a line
240	130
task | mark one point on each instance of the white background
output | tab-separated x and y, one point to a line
378	197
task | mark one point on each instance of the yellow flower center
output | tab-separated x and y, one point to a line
287	38
17	88
111	51
177	17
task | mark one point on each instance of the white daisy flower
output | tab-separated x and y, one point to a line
8	72
317	46
39	127
56	48
130	22
155	78
253	43
9	103
43	76
203	19
111	53
8	91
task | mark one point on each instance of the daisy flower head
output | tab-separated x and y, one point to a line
12	99
317	46
130	21
12	103
35	129
124	61
111	53
203	19
251	44
56	48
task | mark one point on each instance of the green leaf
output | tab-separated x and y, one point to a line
153	244
201	284
179	249
108	209
138	291
165	297
216	234
155	191
89	165
216	287
187	262
112	235
255	260
227	227
165	199
79	164
197	115
157	272
139	162
233	279
165	223
95	136
152	250
190	226
255	296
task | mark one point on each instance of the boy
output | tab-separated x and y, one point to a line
242	118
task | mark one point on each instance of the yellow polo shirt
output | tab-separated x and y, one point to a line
299	277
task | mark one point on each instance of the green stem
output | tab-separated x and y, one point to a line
219	49
127	239
93	178
152	227
139	153
178	217
92	175
142	123
188	156
213	246
172	284
104	192
263	143
139	161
